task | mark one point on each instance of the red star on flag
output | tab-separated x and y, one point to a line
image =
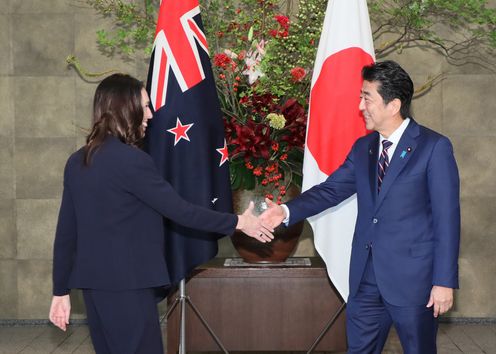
180	131
225	154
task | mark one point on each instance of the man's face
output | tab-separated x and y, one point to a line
377	115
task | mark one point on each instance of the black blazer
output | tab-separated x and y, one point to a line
110	229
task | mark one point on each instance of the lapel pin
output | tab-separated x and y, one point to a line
403	154
409	149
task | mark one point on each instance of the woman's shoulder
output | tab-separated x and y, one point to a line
76	158
124	156
110	153
125	151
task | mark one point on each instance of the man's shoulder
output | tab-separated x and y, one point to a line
430	134
367	139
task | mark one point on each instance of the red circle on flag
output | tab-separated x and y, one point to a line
335	121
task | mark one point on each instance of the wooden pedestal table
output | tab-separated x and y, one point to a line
257	308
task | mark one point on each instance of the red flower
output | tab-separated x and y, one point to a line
296	118
298	73
242	55
273	33
221	60
257	171
283	27
282	20
250	139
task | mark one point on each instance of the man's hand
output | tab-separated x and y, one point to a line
60	310
441	298
253	226
274	215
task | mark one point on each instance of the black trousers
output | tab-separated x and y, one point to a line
123	322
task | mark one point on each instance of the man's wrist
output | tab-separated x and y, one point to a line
239	224
285	209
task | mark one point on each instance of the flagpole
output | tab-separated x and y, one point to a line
182	330
183	299
327	327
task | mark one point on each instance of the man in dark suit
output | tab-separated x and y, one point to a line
404	260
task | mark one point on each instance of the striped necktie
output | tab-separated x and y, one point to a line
383	163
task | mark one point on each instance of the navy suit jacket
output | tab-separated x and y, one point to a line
110	228
412	225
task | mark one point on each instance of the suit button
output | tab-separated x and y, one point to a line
375	221
367	246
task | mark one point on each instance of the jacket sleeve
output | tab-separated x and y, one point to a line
64	248
144	181
444	191
339	186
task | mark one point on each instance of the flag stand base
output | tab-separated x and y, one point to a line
182	300
327	327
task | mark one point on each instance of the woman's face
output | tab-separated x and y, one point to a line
147	113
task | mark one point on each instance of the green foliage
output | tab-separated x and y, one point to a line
462	30
134	25
296	50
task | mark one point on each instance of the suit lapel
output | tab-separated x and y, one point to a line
405	149
373	153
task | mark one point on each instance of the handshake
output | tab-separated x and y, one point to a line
261	227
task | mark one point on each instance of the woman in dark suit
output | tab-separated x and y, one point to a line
109	239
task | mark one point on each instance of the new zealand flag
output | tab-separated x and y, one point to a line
186	135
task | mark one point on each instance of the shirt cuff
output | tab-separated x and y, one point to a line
286	211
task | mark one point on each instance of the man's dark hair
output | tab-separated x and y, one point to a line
393	82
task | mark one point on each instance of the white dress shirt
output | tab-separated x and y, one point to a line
394	138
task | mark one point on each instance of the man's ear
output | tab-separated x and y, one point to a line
394	106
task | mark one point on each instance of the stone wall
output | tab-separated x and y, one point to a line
45	108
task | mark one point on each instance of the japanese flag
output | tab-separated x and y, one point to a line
334	123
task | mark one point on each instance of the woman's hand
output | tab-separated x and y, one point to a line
60	310
253	226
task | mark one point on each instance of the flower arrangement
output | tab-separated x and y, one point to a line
262	62
263	55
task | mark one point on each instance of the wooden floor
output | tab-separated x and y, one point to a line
452	339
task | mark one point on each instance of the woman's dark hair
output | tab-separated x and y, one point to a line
117	111
393	82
